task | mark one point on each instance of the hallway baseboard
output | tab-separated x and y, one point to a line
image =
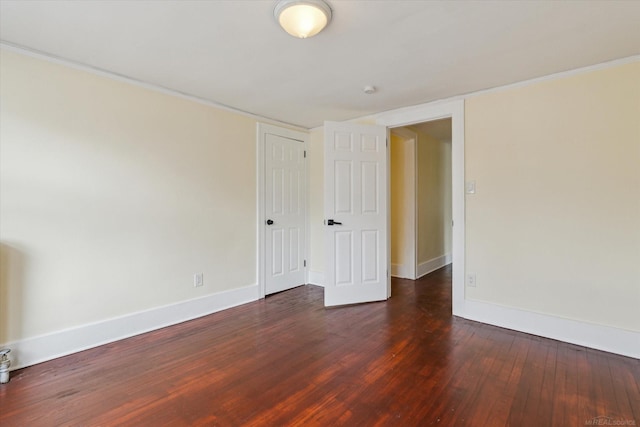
427	267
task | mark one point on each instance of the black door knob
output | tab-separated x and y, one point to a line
332	222
269	222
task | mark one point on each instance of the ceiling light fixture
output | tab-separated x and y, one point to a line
302	18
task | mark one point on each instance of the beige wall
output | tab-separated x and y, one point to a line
434	197
398	158
554	227
555	224
114	196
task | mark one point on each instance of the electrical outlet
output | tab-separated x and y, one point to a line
471	280
198	280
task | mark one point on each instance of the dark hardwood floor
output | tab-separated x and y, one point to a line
287	360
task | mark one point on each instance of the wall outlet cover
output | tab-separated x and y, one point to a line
471	280
198	280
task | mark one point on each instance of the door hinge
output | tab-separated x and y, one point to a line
452	223
304	263
305	154
387	142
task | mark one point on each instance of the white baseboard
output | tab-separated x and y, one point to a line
61	343
316	278
600	337
402	271
433	264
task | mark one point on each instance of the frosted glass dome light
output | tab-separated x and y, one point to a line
302	18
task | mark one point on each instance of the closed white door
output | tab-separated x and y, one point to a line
356	220
284	213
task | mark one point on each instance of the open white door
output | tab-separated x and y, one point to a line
356	220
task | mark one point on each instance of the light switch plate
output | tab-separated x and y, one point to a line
470	187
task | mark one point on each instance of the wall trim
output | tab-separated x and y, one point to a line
30	351
523	83
559	75
600	337
123	78
316	278
140	83
433	264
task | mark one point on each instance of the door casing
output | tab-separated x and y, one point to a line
435	111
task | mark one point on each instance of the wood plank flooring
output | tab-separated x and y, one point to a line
288	361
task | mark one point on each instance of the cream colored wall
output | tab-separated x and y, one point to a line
114	196
555	224
398	204
434	197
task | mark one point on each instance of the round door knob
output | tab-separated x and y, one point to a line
269	222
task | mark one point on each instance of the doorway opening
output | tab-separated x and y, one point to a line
429	112
420	171
358	153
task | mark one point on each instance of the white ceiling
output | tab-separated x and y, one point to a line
233	52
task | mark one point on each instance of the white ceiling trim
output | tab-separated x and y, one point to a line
559	75
371	117
150	86
554	76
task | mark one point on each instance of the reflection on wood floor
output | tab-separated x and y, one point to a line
287	360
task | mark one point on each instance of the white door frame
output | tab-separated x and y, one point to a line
412	221
262	130
455	111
